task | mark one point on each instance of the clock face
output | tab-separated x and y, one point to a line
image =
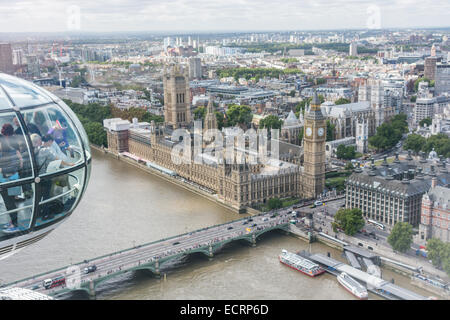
308	131
320	132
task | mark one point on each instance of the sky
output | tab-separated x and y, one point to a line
215	15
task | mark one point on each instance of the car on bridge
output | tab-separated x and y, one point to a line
175	243
90	269
229	228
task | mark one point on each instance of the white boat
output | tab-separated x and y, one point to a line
352	286
301	264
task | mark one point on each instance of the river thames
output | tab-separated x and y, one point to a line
124	206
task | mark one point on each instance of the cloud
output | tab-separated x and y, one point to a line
212	15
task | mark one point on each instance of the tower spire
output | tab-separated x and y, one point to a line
315	102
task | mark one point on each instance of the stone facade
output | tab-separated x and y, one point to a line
435	217
313	182
177	97
237	185
291	129
393	193
345	118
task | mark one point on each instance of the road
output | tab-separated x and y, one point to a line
143	254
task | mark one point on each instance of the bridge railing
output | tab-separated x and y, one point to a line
135	247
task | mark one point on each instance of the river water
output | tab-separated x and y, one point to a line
124	206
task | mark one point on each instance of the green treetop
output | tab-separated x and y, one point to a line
349	220
270	122
401	236
239	115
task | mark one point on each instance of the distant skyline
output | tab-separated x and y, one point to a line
212	15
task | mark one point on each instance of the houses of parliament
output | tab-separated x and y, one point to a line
237	185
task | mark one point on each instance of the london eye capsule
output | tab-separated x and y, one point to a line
45	163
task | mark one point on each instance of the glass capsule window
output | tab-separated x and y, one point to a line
44	158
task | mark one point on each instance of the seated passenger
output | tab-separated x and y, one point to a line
30	126
44	156
40	122
60	136
60	145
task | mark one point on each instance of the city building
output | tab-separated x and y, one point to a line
424	109
237	185
442	82
353	49
441	122
177	98
18	57
345	118
430	68
6	58
393	193
362	135
313	179
33	66
435	214
195	68
385	98
290	130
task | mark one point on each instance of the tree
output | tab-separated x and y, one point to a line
239	115
345	152
300	135
220	119
426	121
149	117
330	131
413	99
399	122
200	113
91	117
342	101
416	83
271	122
410	86
401	236
96	133
440	143
292	93
389	133
302	105
274	203
414	142
350	220
439	253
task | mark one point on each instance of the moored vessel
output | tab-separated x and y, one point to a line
300	264
352	286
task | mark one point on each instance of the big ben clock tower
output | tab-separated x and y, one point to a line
313	180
